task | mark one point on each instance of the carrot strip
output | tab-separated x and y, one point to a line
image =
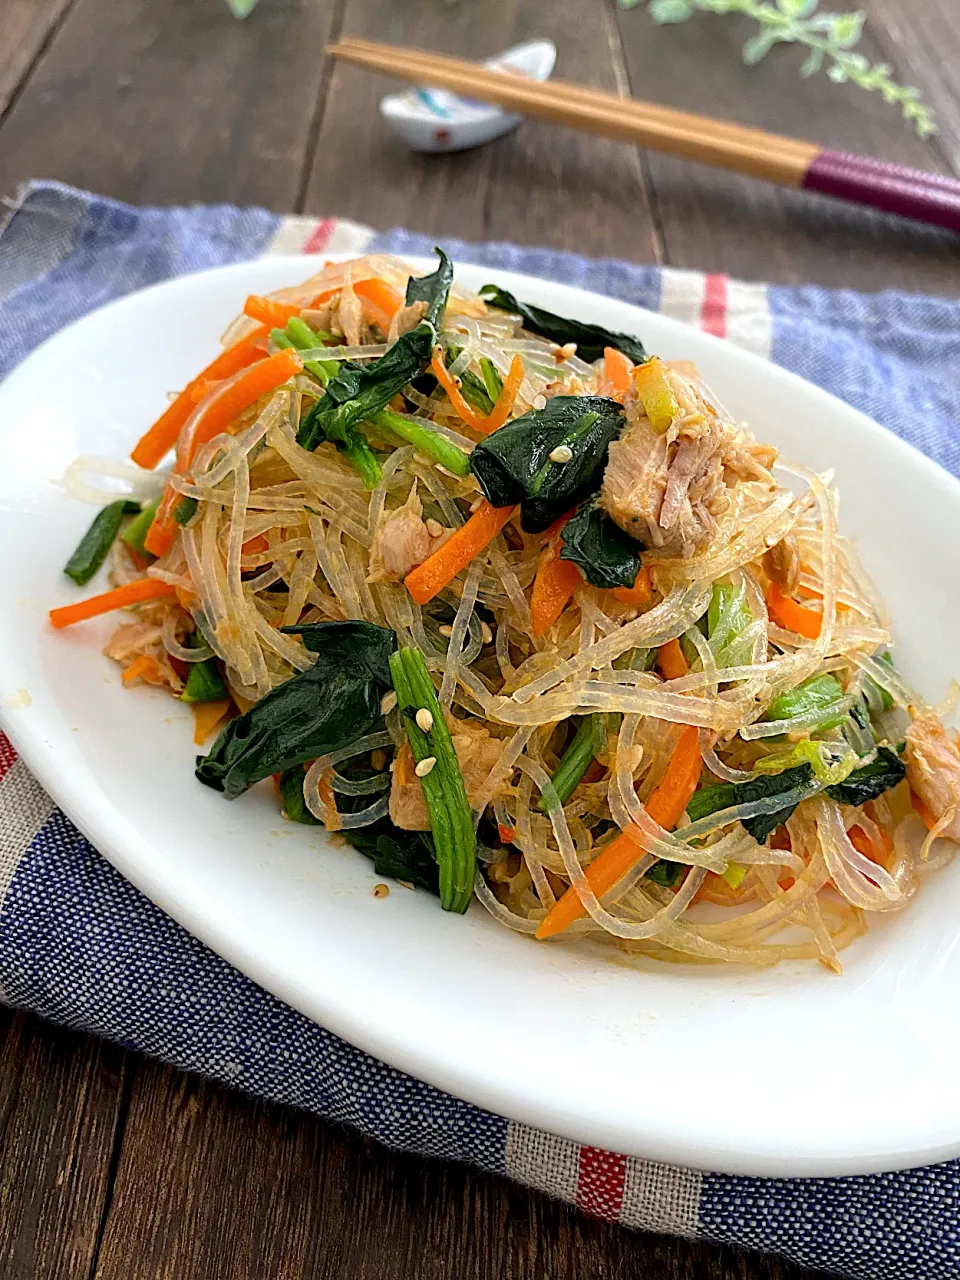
506	399
671	661
666	806
119	598
272	314
442	567
162	532
640	593
206	717
162	436
553	586
256	545
863	844
451	387
791	616
143	667
258	380
618	368
929	821
381	296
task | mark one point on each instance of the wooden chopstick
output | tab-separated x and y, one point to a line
661	128
791	162
384	57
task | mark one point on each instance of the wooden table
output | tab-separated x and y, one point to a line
112	1165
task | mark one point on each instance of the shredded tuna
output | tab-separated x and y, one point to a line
350	315
319	317
669	490
132	638
400	542
477	752
405	319
933	770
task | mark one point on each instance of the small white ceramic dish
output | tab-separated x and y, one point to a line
786	1072
436	120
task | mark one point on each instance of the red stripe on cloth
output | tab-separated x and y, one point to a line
713	313
320	236
8	757
600	1182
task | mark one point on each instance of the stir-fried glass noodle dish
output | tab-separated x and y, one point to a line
519	611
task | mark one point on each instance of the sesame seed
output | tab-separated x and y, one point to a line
486	635
434	528
381	890
425	766
388	702
540	402
565	352
446	630
475	505
378	760
425	719
562	453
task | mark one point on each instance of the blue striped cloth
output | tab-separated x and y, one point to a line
80	945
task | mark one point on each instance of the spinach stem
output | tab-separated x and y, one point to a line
575	761
491	378
299	334
432	443
204	683
451	821
97	541
135	532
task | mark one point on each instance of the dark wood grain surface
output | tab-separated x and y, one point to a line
113	1167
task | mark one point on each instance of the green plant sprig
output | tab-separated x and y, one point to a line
829	37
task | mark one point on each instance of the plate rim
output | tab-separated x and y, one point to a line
118	838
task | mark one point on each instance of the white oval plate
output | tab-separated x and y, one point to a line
785	1072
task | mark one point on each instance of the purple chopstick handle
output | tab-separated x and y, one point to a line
894	188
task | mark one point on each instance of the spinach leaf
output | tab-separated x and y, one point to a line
433	289
291	797
860	714
97	541
710	798
185	510
361	390
398	854
883	772
669	874
513	464
590	338
343	431
726	620
723	795
331	704
608	556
